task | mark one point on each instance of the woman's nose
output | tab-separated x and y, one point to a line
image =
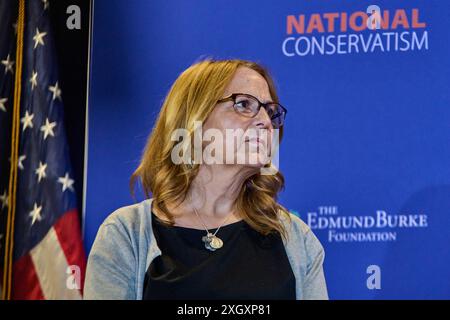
263	119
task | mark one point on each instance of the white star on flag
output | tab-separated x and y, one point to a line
41	171
15	27
2	104
20	164
4	199
47	128
19	161
8	65
33	80
66	182
36	214
27	120
39	38
46	4
56	91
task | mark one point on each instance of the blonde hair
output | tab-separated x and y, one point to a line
193	97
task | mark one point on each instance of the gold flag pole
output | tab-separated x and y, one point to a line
9	241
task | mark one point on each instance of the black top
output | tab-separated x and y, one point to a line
248	266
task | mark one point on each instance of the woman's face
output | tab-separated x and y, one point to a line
246	141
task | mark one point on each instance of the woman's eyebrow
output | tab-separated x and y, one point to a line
266	101
253	95
263	101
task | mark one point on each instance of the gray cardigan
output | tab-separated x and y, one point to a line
125	245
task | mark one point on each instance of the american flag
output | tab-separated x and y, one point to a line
48	259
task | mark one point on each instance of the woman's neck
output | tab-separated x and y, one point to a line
213	193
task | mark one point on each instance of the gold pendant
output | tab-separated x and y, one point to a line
216	243
212	242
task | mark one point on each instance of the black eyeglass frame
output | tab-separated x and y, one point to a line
232	97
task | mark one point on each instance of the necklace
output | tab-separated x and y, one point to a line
212	242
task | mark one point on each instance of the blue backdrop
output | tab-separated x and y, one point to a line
366	151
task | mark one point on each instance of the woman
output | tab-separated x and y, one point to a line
213	228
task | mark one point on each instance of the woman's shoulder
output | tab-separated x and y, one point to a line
127	225
131	216
294	224
301	239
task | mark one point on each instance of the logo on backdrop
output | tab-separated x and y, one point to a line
380	226
358	32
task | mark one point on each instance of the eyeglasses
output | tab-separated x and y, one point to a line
249	106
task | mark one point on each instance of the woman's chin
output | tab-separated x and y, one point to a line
257	159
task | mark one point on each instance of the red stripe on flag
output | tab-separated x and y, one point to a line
25	281
69	235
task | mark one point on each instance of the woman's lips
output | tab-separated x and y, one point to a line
256	141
